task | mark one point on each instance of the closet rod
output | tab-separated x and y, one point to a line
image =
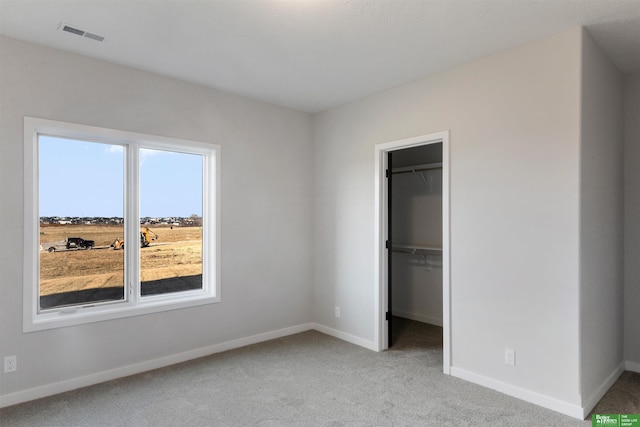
417	168
411	249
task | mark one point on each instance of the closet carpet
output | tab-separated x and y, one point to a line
307	379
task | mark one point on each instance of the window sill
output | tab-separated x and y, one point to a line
80	315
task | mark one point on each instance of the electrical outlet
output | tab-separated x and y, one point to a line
10	364
510	357
337	311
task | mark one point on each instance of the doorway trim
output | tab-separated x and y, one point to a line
381	297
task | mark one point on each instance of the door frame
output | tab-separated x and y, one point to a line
381	281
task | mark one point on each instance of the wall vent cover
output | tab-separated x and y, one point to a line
74	30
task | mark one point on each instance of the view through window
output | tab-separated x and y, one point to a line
171	221
81	212
82	222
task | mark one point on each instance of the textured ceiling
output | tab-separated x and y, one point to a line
311	55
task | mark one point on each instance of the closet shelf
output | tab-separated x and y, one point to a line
417	168
417	249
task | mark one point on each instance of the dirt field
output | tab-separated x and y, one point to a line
176	253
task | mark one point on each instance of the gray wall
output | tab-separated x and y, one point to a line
632	222
514	119
601	222
266	210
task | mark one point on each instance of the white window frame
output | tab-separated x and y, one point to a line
133	304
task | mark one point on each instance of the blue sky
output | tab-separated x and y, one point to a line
79	178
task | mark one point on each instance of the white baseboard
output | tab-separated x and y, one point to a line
161	362
419	317
346	337
563	407
595	397
632	366
560	406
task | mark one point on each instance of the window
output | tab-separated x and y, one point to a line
116	224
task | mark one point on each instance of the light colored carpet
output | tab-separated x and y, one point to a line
308	379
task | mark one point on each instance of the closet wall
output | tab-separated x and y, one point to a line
632	223
417	221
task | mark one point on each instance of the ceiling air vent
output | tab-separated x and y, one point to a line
79	32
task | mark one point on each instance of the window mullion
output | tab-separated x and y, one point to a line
209	260
132	223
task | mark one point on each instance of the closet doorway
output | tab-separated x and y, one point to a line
412	221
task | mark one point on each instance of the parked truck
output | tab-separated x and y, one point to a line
79	243
70	243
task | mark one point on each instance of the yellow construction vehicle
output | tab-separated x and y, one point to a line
118	243
146	237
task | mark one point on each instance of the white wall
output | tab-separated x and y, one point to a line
515	186
632	223
266	211
601	224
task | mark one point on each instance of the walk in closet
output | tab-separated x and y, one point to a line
415	231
